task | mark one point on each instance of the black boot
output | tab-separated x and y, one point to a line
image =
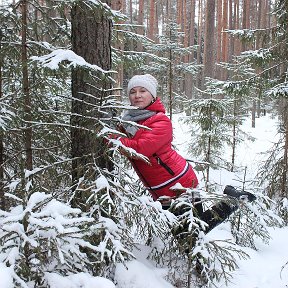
242	195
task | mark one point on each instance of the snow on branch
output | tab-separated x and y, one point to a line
53	59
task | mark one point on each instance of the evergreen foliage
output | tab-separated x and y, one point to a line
40	232
172	69
270	64
209	132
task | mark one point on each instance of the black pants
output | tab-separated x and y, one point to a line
212	217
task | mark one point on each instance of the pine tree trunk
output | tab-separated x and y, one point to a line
245	19
151	21
209	57
231	27
225	38
25	88
179	12
168	10
184	58
27	114
88	89
199	39
219	38
119	45
170	81
209	148
253	114
192	28
131	11
140	22
234	135
156	26
191	39
2	198
237	43
285	156
259	43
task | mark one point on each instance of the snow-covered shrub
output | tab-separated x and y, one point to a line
201	260
251	221
283	209
46	235
215	260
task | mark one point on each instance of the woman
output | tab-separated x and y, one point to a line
165	167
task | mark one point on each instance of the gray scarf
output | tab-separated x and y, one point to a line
135	115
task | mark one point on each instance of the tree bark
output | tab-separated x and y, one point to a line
209	47
237	43
140	22
219	33
119	45
2	198
231	27
245	19
179	12
224	38
284	190
191	42
168	10
91	39
151	20
199	39
131	11
25	88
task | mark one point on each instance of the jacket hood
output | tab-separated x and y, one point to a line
156	106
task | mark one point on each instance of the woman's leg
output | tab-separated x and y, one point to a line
213	216
217	214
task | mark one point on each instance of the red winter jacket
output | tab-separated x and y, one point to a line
167	166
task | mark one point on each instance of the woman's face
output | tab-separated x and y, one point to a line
140	97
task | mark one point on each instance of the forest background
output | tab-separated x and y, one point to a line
69	203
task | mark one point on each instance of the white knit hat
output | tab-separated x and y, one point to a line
147	81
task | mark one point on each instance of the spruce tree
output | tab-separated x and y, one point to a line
171	70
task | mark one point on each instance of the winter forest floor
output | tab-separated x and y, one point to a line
264	269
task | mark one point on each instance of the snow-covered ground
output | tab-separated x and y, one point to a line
264	269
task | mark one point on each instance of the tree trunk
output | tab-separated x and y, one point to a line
168	10
156	25
179	12
91	39
219	37
140	22
284	190
25	88
253	113
209	57
191	39
237	43
170	81
151	20
131	11
119	45
234	135
199	39
192	28
231	27
225	38
2	198
245	19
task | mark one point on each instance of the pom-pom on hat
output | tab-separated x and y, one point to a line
147	81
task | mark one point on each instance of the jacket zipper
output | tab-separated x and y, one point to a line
163	164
